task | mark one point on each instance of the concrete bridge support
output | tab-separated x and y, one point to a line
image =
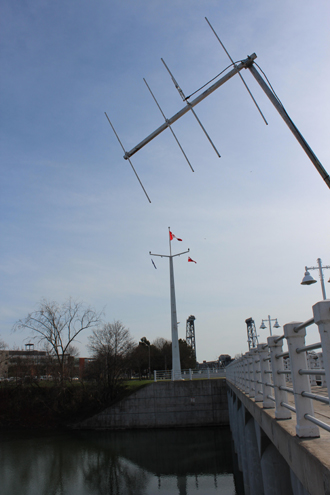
265	470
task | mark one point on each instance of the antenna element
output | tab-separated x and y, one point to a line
240	75
169	125
127	157
181	93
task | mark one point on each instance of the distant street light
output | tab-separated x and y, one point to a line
269	319
146	343
308	279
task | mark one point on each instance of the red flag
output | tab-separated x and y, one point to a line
172	236
189	259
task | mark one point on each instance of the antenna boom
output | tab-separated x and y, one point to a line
243	65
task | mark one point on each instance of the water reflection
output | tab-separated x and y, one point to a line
141	462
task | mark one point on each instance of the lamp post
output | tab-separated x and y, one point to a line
269	319
308	279
146	343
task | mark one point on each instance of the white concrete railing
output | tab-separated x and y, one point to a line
263	372
189	374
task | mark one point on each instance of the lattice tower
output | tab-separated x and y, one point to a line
251	333
190	333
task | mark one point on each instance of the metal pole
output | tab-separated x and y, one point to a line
281	110
149	359
176	365
319	262
270	325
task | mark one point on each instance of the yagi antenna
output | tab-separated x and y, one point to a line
240	75
127	157
247	63
169	126
181	93
244	64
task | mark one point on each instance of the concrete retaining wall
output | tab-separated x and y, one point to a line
167	404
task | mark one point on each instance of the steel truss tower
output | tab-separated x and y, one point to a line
251	333
190	333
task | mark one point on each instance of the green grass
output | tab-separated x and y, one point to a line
133	385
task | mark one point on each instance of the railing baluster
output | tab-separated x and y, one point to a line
301	383
264	367
275	347
254	369
250	375
246	374
258	397
321	311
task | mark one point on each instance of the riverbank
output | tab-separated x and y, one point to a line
50	405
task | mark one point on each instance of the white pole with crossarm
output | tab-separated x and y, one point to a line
176	365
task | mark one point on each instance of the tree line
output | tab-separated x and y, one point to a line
115	355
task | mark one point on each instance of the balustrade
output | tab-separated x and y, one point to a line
268	374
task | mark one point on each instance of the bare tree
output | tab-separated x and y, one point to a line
58	326
111	346
3	356
3	345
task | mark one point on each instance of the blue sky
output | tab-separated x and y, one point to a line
74	220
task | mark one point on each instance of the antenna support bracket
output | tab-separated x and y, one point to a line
249	60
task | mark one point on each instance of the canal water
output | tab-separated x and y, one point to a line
196	461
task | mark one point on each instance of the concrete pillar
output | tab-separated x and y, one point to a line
297	487
304	428
243	450
253	459
238	374
250	374
265	377
246	384
258	397
321	311
323	378
234	421
278	379
275	472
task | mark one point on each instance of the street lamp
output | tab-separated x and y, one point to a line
269	319
146	343
308	279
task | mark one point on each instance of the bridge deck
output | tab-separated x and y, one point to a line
309	458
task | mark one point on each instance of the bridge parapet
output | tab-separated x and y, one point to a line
265	372
189	374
